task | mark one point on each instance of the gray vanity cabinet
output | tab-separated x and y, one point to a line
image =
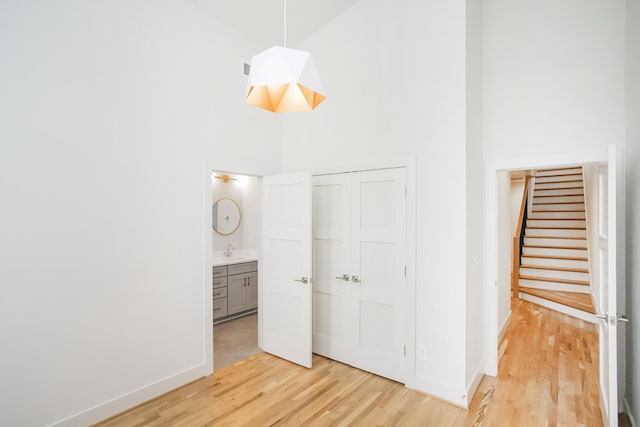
220	292
235	289
242	284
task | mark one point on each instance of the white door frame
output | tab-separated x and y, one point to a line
491	328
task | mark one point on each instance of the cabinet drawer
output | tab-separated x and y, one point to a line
219	282
219	293
220	271
219	308
245	267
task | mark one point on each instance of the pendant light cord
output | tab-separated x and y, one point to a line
285	23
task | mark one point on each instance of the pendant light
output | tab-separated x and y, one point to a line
283	79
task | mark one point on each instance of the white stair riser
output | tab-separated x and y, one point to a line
554	274
542	232
557	215
567	171
555	262
538	284
563	207
541	241
566	223
563	178
541	192
550	185
562	199
555	252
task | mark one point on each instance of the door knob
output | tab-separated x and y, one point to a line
623	318
356	279
344	277
303	279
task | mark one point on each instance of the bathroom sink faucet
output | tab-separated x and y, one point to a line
229	250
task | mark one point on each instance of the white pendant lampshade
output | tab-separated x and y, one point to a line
283	80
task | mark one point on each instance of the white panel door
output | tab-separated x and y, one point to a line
332	299
378	254
286	264
612	284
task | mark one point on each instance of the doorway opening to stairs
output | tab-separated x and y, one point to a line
550	251
550	257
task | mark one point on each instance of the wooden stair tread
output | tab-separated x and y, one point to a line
555	219
575	300
550	267
554	247
559	174
555	228
557	188
554	195
529	236
570	258
563	211
567	168
549	279
556	203
556	182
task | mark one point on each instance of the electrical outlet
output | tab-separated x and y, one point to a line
422	352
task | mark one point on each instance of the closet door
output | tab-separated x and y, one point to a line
378	254
331	266
359	263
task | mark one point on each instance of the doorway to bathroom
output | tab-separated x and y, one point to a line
235	238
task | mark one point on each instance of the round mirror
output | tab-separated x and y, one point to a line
226	216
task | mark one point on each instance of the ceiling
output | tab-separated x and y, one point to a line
262	20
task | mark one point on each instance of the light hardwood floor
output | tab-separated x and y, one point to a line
547	376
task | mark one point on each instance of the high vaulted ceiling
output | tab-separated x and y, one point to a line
262	20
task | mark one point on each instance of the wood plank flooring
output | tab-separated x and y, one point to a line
548	376
548	371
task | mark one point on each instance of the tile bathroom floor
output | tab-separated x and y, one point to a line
235	340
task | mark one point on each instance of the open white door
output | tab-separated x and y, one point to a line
612	281
286	264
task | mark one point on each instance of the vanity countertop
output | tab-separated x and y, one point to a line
237	256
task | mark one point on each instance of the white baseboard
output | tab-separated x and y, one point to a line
503	328
129	400
475	383
627	410
457	397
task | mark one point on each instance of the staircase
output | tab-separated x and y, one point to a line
554	269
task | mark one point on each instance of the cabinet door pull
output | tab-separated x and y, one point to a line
217	293
248	281
217	309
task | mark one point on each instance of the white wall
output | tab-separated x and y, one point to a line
592	207
505	247
517	188
228	190
553	77
245	193
474	166
633	207
108	110
395	78
553	94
